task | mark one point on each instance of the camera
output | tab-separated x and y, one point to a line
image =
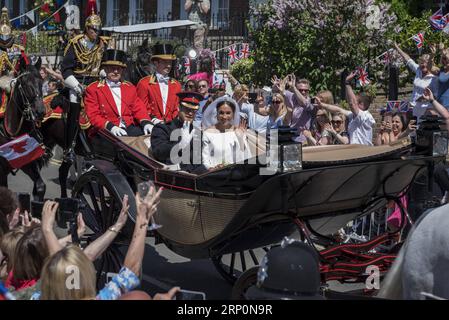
24	201
190	295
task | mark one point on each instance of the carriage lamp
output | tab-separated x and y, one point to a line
192	54
430	139
291	156
440	143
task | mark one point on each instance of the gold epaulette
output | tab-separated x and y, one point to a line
21	48
50	97
105	39
72	41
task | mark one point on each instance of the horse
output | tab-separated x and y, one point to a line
421	266
24	109
142	67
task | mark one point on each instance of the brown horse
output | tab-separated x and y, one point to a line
24	109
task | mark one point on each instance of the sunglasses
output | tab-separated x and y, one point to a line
337	122
277	101
304	90
202	86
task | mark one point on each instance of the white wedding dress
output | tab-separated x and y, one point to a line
223	148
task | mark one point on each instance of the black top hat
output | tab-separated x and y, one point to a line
290	272
114	57
190	99
163	51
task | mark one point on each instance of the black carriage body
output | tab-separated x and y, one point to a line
236	208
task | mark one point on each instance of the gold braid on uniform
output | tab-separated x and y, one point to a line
90	59
5	64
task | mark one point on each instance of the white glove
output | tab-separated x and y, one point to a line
148	128
118	132
186	135
102	74
156	121
72	83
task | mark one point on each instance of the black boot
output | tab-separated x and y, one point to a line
71	130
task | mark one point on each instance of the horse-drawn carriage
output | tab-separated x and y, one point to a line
236	209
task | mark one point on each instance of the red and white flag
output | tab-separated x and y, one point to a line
21	151
233	53
363	76
244	52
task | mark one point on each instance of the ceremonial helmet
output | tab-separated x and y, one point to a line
288	272
93	21
6	36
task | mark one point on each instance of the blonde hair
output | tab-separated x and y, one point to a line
240	90
57	270
9	242
326	97
283	110
427	58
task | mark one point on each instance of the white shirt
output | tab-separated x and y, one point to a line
222	148
163	86
117	95
420	83
360	128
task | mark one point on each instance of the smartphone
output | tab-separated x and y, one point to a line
313	100
24	201
252	97
67	211
144	187
36	208
190	295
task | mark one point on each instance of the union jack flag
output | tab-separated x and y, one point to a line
233	53
187	65
244	52
401	106
363	76
438	21
419	40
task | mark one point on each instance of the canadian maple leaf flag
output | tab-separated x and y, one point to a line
21	151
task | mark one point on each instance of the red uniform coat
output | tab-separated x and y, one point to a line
101	108
149	92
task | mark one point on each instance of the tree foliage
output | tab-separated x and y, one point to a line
317	39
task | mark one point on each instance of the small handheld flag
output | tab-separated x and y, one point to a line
363	77
419	40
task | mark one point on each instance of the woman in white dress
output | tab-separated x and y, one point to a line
224	140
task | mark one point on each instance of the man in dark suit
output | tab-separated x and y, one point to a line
178	142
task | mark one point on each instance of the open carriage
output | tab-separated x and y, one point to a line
236	209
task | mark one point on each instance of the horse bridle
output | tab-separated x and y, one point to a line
26	110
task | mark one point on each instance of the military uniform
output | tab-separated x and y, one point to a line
186	150
80	67
9	57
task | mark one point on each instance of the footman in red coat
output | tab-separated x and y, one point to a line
114	105
158	91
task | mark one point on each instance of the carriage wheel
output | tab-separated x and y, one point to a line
231	266
101	207
243	283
